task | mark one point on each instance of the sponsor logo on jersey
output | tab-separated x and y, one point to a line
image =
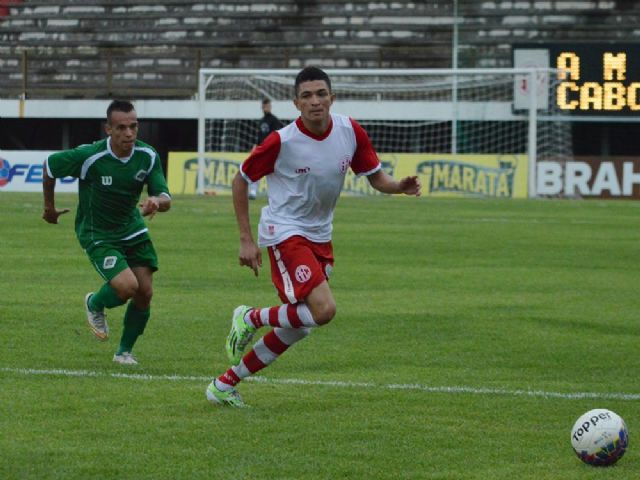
109	262
303	273
344	164
303	170
141	175
107	180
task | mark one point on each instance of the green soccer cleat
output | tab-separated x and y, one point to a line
229	397
240	335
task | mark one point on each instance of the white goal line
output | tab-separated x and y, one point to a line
338	384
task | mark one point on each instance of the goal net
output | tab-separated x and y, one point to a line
470	132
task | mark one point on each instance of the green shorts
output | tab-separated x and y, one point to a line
111	259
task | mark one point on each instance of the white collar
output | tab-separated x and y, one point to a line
122	159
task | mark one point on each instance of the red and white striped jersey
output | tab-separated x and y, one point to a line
305	174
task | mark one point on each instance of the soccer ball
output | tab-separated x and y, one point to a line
599	437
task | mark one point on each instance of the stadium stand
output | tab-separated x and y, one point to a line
4	7
154	48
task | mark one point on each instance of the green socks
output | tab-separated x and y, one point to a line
135	320
106	297
134	323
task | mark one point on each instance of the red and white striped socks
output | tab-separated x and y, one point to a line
284	316
264	352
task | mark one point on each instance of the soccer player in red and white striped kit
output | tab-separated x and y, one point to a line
305	164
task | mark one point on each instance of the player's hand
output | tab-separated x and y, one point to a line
50	215
410	186
149	207
250	255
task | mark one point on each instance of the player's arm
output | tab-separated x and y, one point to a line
365	162
67	163
154	204
50	214
159	199
249	254
385	183
261	162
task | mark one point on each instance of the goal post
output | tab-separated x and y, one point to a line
452	114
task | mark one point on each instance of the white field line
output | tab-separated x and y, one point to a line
339	384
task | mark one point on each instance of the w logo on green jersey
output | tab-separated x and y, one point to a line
107	180
141	175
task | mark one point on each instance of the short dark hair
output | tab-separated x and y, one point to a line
308	74
266	101
119	106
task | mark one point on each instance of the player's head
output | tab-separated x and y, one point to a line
123	106
309	74
122	126
266	105
313	98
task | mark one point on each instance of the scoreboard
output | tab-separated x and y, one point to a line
592	78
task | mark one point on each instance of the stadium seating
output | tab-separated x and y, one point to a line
153	48
5	7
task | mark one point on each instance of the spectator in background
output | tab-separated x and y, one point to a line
268	123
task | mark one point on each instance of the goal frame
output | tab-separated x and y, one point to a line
207	108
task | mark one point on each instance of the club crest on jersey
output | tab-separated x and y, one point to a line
141	175
109	262
303	273
344	164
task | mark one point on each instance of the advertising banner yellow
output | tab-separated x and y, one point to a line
466	175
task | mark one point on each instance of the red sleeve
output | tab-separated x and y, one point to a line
262	159
365	159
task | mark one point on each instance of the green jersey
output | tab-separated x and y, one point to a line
109	189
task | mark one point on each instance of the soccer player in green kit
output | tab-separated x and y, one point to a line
109	224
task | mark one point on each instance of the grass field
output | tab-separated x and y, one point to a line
470	336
